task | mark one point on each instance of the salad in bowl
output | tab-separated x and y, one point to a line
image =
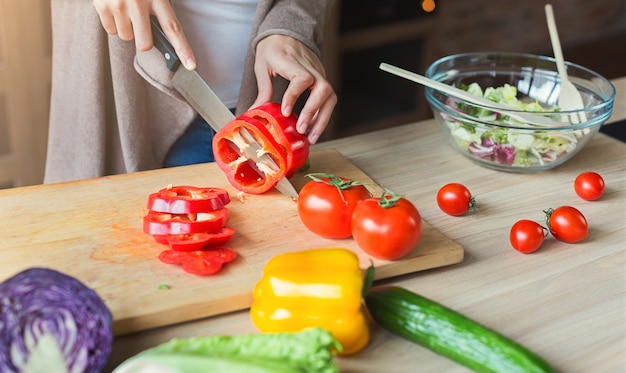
529	84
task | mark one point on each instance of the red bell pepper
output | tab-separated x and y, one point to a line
188	200
201	262
241	163
192	222
278	138
197	241
295	145
160	223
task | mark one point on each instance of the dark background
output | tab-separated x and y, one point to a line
367	32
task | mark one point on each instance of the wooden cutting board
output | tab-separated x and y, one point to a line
92	230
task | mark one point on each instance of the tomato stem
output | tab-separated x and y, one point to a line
389	199
472	205
334	180
548	213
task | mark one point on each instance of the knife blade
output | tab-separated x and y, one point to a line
202	98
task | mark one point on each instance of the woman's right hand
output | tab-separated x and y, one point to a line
130	19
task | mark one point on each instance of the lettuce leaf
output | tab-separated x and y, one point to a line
311	350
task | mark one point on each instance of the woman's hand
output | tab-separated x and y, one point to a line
287	57
130	19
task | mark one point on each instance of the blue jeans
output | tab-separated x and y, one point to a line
194	146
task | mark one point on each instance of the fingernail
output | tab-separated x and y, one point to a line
313	138
286	111
190	64
301	127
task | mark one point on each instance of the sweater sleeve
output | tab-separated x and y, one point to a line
303	20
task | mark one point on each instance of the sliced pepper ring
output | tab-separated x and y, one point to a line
243	166
160	223
188	199
199	241
202	262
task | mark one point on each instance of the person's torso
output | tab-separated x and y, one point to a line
219	32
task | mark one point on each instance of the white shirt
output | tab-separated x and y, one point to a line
218	32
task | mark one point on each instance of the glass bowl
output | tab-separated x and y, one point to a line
498	139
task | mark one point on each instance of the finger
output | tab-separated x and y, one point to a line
114	18
320	121
140	20
322	99
106	18
173	30
299	81
108	23
317	110
264	84
293	71
319	94
124	27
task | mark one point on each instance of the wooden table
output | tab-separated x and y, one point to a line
566	302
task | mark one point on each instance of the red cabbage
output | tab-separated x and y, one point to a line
492	151
41	301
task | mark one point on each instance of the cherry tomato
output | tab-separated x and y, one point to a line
567	224
526	236
325	204
455	199
589	186
388	227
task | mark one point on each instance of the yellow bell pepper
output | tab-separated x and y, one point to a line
313	288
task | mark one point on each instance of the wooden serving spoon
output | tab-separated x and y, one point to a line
530	118
569	98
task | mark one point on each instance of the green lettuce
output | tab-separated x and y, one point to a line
311	350
507	146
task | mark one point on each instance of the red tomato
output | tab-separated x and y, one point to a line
567	224
386	228
455	199
526	236
589	186
325	204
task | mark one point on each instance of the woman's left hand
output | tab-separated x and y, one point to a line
280	55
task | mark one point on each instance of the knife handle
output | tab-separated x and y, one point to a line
164	46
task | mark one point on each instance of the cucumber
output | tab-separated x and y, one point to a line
449	333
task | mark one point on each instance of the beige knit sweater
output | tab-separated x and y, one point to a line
113	110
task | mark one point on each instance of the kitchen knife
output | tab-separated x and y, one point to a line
202	98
